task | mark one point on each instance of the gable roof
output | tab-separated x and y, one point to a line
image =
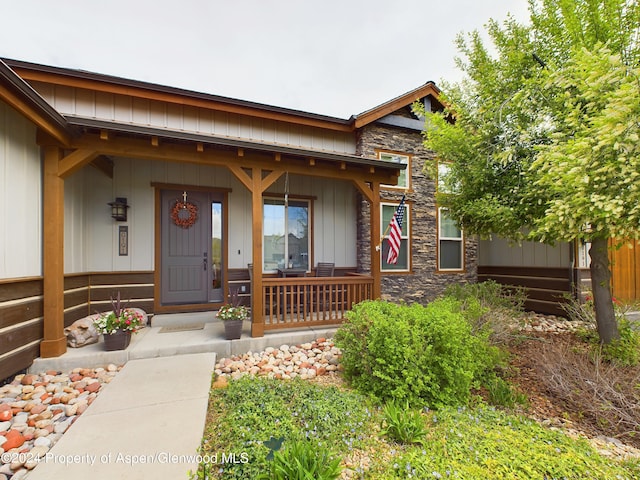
406	99
118	85
18	94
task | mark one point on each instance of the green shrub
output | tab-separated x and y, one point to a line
302	460
501	393
416	354
490	307
626	350
402	424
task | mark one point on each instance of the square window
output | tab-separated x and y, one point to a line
403	179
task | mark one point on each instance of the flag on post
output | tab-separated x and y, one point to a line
395	233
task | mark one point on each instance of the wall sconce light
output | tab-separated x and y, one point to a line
119	209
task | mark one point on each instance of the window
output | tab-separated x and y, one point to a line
403	179
450	243
445	182
403	265
285	234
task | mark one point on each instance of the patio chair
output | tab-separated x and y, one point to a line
325	269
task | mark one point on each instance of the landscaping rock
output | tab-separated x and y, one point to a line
35	410
308	361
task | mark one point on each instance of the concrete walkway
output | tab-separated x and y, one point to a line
148	422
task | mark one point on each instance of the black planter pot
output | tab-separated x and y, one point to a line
233	329
118	340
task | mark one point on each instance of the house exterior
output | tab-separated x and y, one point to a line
220	195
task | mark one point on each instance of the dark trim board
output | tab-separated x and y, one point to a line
546	288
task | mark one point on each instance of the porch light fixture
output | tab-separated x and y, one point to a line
119	209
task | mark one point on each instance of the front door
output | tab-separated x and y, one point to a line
191	247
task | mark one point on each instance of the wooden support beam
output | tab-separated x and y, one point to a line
54	343
104	164
240	152
75	161
376	266
241	175
372	169
277	156
104	135
343	165
312	162
200	147
270	179
155	141
257	324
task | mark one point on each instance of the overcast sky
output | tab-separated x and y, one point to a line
333	57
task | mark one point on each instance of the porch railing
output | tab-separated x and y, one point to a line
309	301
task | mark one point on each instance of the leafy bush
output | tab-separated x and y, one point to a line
302	460
626	350
402	424
416	354
490	307
502	393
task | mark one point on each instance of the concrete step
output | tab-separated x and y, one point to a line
175	319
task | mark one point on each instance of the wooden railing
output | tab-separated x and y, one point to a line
309	301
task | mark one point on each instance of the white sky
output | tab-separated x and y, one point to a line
333	57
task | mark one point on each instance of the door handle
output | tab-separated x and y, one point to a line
204	262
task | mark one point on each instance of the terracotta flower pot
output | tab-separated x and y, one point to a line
118	340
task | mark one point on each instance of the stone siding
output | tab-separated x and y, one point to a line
424	282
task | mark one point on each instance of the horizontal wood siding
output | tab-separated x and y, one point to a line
21	309
20	324
546	287
136	289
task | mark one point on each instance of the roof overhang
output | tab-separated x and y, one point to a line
19	95
117	85
90	124
387	108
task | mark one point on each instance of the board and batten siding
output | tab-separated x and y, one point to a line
91	235
20	197
499	252
163	115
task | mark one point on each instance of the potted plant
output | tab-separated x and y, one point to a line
118	325
233	315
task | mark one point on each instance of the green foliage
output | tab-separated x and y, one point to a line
302	460
624	351
588	174
416	354
485	443
503	394
490	307
476	443
545	143
402	424
250	413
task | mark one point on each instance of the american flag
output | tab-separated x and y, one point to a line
395	233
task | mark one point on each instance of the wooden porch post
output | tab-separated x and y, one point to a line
55	342
374	207
257	325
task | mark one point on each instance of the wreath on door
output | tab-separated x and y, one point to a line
184	214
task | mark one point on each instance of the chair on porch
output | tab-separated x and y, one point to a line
324	295
325	269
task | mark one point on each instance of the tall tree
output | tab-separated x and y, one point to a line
545	140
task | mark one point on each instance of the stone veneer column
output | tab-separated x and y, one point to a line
424	282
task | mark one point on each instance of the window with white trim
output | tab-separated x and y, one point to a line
286	239
404	178
450	243
404	261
